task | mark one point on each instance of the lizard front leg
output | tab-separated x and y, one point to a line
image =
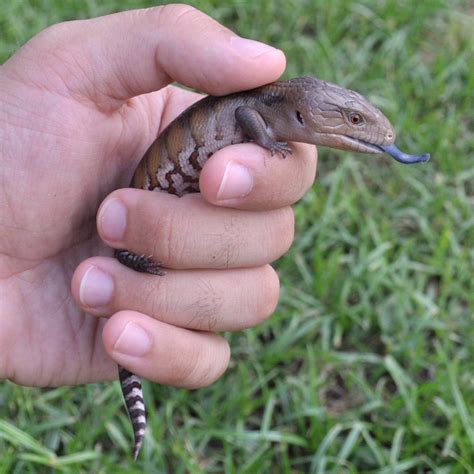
254	126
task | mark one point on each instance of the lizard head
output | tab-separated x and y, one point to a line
340	118
329	115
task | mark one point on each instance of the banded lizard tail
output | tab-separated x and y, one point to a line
304	109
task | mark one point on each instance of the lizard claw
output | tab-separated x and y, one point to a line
139	263
151	267
281	147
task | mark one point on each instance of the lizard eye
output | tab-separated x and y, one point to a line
299	117
356	118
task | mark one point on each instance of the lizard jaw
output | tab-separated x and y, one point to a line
346	142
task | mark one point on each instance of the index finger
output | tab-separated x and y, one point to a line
247	176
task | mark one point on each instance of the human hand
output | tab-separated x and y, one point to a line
78	111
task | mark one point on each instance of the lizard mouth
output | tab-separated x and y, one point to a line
391	150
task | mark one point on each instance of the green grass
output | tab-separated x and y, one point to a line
367	365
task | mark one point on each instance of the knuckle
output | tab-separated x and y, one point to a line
154	296
206	306
174	12
172	230
185	17
169	14
231	248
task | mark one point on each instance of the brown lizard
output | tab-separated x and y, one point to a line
304	109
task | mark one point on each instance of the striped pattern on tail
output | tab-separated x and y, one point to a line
133	396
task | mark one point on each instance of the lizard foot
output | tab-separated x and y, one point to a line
139	263
280	147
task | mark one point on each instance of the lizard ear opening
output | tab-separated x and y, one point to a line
299	117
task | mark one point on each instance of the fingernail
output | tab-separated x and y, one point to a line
112	220
133	341
96	288
237	182
251	48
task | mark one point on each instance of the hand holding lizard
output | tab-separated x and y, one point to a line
79	105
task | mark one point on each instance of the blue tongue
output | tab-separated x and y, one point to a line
398	155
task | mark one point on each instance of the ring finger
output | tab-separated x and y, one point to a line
209	300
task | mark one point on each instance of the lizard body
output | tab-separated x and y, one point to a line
303	109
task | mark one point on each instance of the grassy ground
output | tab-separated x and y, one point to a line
367	366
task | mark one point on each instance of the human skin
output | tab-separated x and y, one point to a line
79	105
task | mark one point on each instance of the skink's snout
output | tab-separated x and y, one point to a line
398	155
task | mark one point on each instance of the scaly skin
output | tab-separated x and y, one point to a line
175	159
303	109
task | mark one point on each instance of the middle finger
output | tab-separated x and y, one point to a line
188	232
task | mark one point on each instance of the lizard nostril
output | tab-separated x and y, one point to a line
389	135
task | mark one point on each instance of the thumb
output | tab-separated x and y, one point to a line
140	51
